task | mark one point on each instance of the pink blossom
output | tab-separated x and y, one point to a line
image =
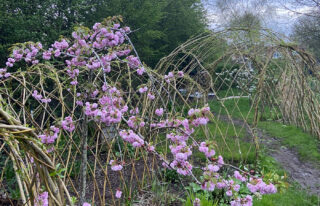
115	166
196	202
159	112
118	193
86	204
213	168
180	74
182	167
151	96
238	176
143	89
67	124
221	185
50	136
42	199
229	193
257	185
208	186
206	150
151	148
246	201
140	71
220	161
131	137
133	61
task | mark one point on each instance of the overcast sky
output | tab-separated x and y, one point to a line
276	15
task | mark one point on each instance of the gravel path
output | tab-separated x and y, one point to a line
305	173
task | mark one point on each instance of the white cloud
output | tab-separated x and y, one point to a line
281	18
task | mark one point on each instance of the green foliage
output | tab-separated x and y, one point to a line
292	197
170	175
58	171
287	194
226	138
306	33
204	201
159	26
306	145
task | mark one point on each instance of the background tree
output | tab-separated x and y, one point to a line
306	29
159	25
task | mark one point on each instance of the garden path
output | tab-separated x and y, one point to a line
307	174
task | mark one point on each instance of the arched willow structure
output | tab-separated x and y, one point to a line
280	79
91	143
222	69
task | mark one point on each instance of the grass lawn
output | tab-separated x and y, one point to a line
234	146
305	144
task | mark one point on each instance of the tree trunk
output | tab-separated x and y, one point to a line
84	160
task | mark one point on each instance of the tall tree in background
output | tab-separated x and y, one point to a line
159	25
229	10
307	29
307	32
251	24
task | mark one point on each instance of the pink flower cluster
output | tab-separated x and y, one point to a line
151	96
159	112
118	193
231	187
170	76
180	150
207	149
238	176
196	202
143	89
10	62
4	73
246	201
28	53
131	137
50	136
135	122
67	124
115	166
257	185
109	108
87	48
42	199
105	37
211	177
135	63
39	97
199	116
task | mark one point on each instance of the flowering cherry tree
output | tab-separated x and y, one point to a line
96	80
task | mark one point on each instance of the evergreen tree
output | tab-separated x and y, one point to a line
159	25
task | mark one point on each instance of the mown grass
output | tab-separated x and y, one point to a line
226	136
307	146
231	142
291	197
